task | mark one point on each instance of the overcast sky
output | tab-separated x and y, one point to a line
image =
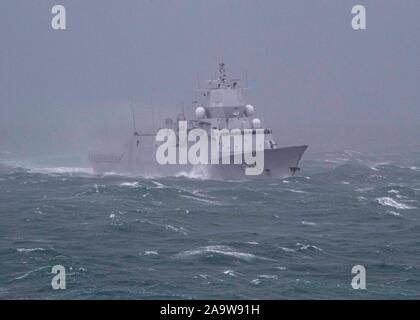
313	79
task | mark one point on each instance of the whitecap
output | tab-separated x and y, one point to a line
307	223
200	199
386	201
38	211
231	273
198	193
256	281
62	170
176	229
197	174
30	272
308	246
252	242
287	249
281	268
24	250
112	173
158	185
397	214
221	250
268	276
151	252
134	184
413	168
334	161
295	191
380	164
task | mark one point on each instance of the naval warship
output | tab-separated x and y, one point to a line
223	107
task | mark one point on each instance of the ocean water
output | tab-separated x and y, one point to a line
184	238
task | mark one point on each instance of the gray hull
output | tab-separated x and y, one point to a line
278	163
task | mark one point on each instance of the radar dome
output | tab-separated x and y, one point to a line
249	110
256	123
200	112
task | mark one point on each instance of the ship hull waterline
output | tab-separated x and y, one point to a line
279	163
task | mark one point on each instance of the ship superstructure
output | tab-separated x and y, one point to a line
223	108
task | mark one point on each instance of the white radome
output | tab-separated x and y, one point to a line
200	113
249	110
256	123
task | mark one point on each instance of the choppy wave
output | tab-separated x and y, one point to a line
231	273
134	184
219	250
287	249
24	250
151	253
308	223
302	247
387	201
26	274
62	170
268	276
198	173
293	238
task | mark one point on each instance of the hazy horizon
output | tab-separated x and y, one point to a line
312	78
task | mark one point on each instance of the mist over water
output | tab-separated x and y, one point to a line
312	78
351	96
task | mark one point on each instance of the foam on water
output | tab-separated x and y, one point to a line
219	250
303	247
177	229
295	191
308	223
134	184
26	274
387	201
62	171
198	238
231	273
198	174
287	249
268	276
24	250
252	242
150	253
394	213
